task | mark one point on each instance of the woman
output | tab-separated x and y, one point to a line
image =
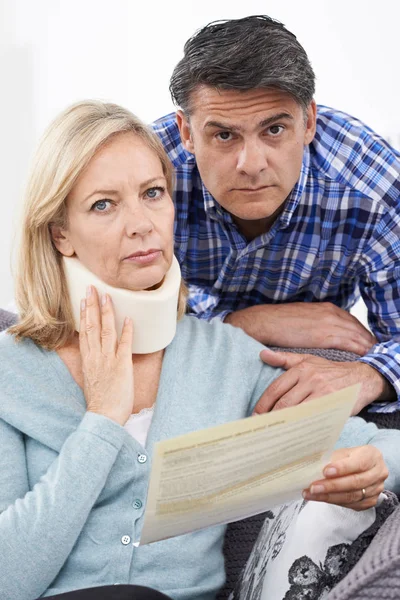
73	480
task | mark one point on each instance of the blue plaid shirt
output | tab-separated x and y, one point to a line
337	237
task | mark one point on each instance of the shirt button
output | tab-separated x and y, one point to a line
142	458
137	504
125	540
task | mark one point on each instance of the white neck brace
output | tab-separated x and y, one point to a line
153	312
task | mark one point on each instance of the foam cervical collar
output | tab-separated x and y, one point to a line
153	312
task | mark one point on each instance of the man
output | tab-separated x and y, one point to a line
285	212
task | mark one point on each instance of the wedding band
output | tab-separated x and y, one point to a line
363	494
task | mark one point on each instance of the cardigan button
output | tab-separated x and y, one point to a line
125	540
142	458
137	504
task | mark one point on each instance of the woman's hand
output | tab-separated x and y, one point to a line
106	364
354	478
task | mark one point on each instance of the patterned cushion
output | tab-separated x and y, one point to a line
241	536
305	548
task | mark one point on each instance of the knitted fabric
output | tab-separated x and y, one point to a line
377	573
238	544
6	319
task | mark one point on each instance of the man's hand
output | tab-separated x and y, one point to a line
354	478
304	325
309	377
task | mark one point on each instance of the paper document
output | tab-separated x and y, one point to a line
242	468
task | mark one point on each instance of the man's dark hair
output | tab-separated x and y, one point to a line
243	54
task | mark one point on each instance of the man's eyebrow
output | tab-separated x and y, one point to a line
224	126
262	124
274	118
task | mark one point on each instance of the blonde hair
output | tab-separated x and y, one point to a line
66	148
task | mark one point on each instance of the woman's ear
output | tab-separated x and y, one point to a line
61	240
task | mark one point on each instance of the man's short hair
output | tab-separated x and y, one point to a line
243	54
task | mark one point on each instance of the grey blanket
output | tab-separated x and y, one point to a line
6	319
377	574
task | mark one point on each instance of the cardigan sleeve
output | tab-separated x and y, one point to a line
358	432
39	527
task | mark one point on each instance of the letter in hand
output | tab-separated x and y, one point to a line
106	362
354	479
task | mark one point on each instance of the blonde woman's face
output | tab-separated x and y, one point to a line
120	216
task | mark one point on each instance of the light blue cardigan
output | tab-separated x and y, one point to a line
70	481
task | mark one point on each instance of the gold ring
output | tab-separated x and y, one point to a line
363	494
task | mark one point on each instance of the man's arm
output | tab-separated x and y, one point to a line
312	325
379	276
307	377
304	325
380	290
378	369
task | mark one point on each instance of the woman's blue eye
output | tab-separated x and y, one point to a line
154	192
100	205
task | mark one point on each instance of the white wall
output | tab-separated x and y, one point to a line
54	52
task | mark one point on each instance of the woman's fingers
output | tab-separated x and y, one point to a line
93	323
97	325
107	365
357	460
97	329
349	487
83	345
108	330
349	483
354	500
126	339
354	479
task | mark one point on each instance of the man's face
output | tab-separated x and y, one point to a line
248	147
